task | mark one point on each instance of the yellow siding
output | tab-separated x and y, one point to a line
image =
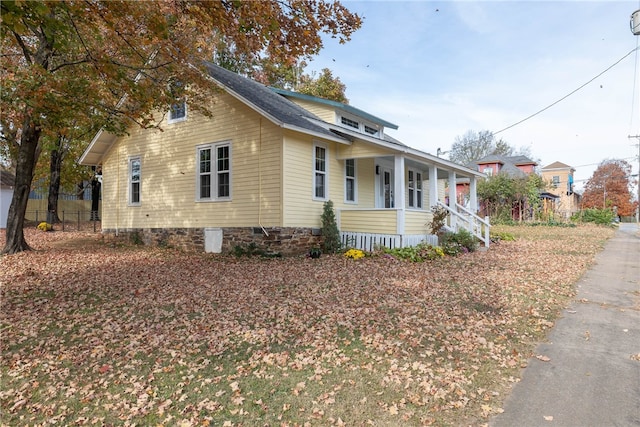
300	207
442	194
417	222
168	172
361	149
325	112
366	175
382	221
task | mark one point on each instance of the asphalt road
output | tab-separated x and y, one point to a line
592	376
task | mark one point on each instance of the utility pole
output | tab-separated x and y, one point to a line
638	183
635	29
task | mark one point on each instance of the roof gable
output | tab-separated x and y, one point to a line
557	165
337	105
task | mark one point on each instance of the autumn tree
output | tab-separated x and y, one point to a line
473	146
324	86
57	167
116	61
502	196
610	186
290	76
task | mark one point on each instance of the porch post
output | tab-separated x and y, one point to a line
473	195
453	200
433	186
398	192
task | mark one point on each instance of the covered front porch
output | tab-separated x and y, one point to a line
406	187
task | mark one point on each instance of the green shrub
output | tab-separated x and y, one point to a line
598	216
330	232
503	236
419	253
136	238
461	241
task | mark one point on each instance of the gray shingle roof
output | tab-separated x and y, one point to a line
509	163
277	106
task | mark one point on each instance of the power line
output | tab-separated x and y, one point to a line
569	94
596	164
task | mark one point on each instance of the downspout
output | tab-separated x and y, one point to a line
260	180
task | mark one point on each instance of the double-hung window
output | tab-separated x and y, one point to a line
415	189
134	180
350	180
214	172
320	172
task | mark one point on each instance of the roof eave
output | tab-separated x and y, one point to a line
93	155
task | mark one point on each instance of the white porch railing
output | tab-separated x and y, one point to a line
371	241
461	217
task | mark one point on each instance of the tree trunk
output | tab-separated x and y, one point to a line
95	198
55	168
25	164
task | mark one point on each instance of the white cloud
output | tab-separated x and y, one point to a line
487	65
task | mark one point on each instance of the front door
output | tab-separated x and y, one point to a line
385	188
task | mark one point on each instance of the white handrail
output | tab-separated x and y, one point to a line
474	224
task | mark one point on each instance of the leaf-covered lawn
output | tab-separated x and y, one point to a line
99	335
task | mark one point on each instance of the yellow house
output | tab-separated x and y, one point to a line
260	169
559	179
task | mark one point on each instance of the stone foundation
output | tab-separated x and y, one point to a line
276	240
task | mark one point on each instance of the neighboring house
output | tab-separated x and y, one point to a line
493	164
7	182
260	169
514	166
559	177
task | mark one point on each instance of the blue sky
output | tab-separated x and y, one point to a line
439	69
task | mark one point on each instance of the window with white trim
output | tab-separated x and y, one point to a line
135	167
350	180
488	171
415	189
213	172
349	122
359	124
371	130
320	172
555	181
178	112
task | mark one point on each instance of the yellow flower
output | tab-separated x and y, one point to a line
354	254
43	226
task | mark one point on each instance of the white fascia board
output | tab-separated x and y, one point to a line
317	134
102	137
417	154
